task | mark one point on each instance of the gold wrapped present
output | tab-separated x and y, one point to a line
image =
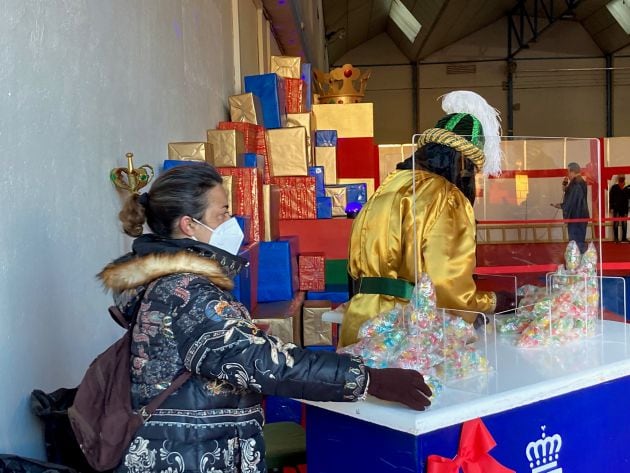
288	145
228	185
305	120
228	147
327	156
281	327
245	108
286	66
339	198
368	181
190	151
271	205
314	330
351	120
281	319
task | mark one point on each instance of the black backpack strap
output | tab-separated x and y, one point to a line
147	411
118	317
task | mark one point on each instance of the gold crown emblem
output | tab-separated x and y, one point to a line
344	84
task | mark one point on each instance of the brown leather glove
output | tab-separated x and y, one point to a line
505	301
399	385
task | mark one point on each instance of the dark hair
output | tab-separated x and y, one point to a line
574	167
446	162
177	192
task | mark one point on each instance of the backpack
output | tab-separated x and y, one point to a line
102	416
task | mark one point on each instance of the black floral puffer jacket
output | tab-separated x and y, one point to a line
187	319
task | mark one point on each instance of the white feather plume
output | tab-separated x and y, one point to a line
465	101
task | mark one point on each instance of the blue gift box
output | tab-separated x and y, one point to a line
269	88
321	348
282	409
244	222
277	273
324	207
356	193
333	293
326	138
318	173
246	281
253	160
307	77
171	163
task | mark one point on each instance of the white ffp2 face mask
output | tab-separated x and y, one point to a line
228	236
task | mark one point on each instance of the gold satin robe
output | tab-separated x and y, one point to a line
381	244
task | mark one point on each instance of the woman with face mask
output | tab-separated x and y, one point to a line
178	279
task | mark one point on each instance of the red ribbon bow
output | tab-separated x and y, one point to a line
472	455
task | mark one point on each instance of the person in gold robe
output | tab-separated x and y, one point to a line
438	217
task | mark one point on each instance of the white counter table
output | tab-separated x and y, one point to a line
576	393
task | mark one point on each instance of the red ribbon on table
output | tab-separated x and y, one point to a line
472	455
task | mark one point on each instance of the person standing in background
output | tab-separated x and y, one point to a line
575	206
618	206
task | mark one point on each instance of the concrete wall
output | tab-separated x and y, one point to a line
81	83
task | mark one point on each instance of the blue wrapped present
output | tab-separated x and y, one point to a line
321	348
244	222
253	160
307	77
318	173
246	281
277	273
324	207
171	163
333	293
356	193
326	138
269	88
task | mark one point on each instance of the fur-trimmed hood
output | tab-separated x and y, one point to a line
136	271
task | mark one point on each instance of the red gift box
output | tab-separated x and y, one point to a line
297	197
247	188
255	142
356	158
311	271
295	95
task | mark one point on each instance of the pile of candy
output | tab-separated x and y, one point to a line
418	336
566	311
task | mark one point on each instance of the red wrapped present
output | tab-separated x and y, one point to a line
297	197
311	271
248	198
358	157
295	95
255	142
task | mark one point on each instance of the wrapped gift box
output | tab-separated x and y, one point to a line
282	327
282	319
327	157
297	197
286	66
326	138
294	96
336	272
246	108
255	142
228	185
357	158
190	151
324	207
304	120
388	157
289	146
307	77
356	192
228	146
351	120
246	281
335	293
311	272
269	88
247	188
271	208
171	163
362	181
244	222
339	199
314	330
318	173
277	271
282	409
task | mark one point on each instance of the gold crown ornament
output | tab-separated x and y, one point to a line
344	84
131	179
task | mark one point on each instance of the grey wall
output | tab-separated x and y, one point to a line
81	83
